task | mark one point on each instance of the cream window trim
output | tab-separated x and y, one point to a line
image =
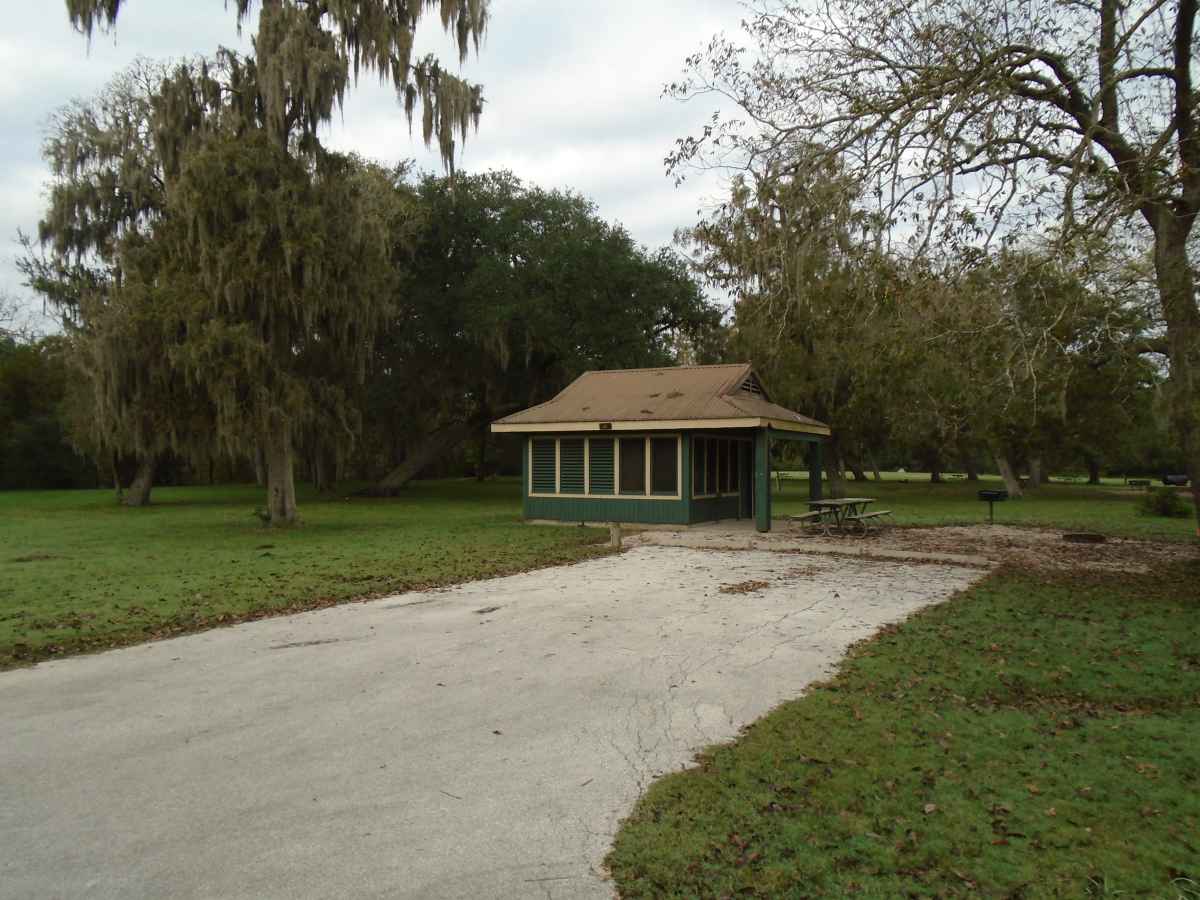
678	495
587	484
616	468
647	495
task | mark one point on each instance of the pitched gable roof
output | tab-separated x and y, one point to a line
679	394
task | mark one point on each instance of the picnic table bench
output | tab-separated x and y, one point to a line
803	518
865	519
841	515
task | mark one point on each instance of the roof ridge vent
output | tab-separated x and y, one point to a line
751	385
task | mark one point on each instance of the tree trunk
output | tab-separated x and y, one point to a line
116	479
1036	474
139	489
481	469
1093	467
322	472
1177	291
1011	481
281	480
856	468
835	472
935	475
971	467
969	458
420	456
874	461
260	467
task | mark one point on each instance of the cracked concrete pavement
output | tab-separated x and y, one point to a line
417	746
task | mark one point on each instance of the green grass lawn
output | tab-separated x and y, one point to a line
1108	508
79	572
1034	737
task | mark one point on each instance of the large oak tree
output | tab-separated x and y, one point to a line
970	119
511	291
107	191
243	171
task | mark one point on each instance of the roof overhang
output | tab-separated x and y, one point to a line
659	425
798	427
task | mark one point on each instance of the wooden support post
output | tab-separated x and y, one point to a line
762	480
525	476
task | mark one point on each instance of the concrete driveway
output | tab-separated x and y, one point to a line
483	741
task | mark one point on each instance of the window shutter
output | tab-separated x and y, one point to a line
570	475
600	466
543	478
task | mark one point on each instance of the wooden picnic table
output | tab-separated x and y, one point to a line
839	510
842	513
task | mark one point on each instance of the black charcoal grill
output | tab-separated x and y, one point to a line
992	498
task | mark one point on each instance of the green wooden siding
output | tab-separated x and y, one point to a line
600	468
544	477
617	509
570	466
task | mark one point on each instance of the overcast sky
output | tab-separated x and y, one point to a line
572	89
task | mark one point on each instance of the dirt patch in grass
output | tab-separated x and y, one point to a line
1038	548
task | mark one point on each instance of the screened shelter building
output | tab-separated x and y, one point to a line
670	446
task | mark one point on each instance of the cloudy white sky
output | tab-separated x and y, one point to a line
573	98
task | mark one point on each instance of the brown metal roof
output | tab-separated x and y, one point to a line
676	394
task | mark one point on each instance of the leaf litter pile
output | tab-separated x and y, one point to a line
744	587
1039	548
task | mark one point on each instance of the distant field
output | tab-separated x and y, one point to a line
79	572
1110	508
